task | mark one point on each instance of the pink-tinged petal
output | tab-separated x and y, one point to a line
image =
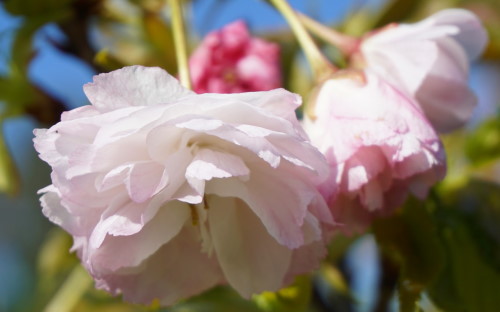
320	210
250	258
113	178
121	218
44	142
145	179
472	35
133	86
438	101
209	164
406	62
278	102
277	109
129	251
353	217
214	131
303	156
201	124
55	211
80	112
429	61
417	162
305	259
269	148
377	142
276	200
446	87
311	229
362	167
371	195
418	183
176	271
105	157
161	150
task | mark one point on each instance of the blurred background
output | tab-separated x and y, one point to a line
49	49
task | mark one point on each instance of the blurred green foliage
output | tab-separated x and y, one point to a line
409	237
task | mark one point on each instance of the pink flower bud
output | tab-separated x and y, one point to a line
230	61
379	146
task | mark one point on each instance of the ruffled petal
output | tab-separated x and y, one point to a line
133	86
129	251
176	271
252	261
471	34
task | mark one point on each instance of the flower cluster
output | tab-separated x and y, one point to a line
230	61
168	192
376	123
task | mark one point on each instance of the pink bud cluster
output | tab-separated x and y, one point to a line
231	61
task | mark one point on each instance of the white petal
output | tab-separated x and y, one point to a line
278	102
444	96
133	86
178	270
252	261
208	164
55	212
145	180
279	199
129	251
472	36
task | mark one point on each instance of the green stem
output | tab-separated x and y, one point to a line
70	292
346	44
9	176
319	64
180	42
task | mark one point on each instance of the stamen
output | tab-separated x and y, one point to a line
205	203
194	215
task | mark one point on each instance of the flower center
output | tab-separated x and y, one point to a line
195	217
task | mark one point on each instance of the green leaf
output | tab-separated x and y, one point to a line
483	144
71	292
107	60
469	229
159	36
468	283
22	49
409	237
397	11
35	8
19	97
9	177
15	93
54	264
218	299
333	289
54	258
294	298
476	283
